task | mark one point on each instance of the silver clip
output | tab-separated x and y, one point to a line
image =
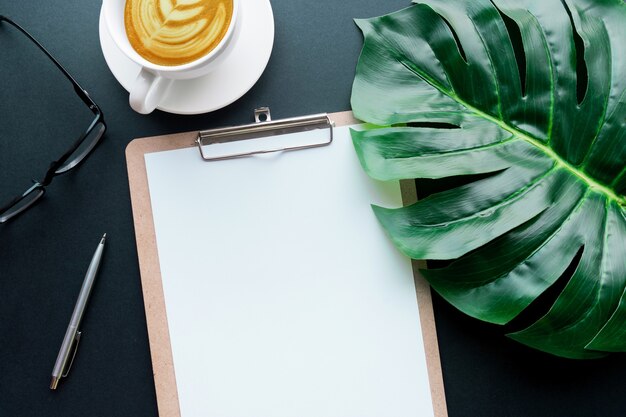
264	126
66	371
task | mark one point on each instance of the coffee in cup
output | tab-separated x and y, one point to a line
170	40
171	32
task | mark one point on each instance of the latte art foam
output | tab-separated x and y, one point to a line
170	32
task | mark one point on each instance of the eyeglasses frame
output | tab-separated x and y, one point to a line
53	170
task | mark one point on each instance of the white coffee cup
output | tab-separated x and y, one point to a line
154	81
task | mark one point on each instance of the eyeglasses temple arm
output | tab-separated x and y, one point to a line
82	93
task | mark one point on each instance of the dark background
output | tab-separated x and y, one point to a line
44	253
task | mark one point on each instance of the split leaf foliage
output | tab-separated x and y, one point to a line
531	94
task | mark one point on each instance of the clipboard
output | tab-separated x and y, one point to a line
151	277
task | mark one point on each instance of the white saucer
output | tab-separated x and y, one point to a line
240	70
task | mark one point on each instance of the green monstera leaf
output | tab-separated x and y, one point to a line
531	94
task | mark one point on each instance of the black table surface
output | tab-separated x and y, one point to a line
45	252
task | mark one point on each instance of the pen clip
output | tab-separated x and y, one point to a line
74	348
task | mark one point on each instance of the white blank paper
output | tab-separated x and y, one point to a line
284	296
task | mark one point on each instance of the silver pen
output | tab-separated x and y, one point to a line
72	335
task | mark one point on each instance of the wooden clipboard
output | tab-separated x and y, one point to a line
153	294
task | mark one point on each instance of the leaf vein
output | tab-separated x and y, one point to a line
543	244
585	161
597	282
527	187
493	69
459	151
544	40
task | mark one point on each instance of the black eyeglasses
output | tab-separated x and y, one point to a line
77	152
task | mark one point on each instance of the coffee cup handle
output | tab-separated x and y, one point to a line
147	91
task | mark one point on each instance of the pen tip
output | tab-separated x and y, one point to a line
54	383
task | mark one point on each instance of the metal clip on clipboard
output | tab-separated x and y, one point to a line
263	127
